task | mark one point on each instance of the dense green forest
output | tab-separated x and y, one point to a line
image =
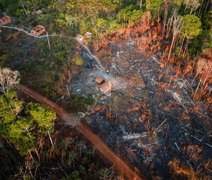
34	144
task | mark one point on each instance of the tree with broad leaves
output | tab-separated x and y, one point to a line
21	124
191	27
42	116
154	6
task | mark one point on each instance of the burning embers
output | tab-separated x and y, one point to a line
104	86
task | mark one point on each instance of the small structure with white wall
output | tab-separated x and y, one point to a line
106	87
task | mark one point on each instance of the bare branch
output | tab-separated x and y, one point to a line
8	78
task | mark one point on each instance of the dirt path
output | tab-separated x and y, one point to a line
120	165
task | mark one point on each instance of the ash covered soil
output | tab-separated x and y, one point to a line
148	117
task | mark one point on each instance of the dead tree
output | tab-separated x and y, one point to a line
192	5
166	5
176	24
169	24
8	78
140	3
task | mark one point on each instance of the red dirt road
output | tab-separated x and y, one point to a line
120	165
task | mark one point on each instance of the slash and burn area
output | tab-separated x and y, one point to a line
148	115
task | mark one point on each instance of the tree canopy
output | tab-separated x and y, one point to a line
18	121
191	26
154	6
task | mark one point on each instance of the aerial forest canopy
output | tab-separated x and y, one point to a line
107	16
136	66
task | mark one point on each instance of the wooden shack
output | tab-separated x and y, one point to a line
5	20
100	80
106	87
38	30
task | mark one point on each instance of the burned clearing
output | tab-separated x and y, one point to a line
132	78
149	116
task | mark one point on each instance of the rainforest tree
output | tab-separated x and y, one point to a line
191	27
20	123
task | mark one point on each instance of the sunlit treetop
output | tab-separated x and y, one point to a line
191	26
